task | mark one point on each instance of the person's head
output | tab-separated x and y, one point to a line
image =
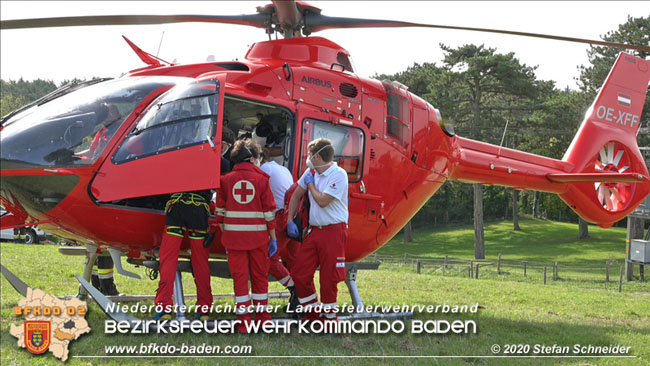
246	151
321	153
227	139
265	156
262	133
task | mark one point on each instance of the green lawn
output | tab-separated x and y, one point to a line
539	240
511	312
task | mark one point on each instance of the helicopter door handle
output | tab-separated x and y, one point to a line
337	64
212	145
362	187
59	171
369	197
287	70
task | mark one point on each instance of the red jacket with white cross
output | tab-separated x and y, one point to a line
245	207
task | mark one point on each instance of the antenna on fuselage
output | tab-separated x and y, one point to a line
160	44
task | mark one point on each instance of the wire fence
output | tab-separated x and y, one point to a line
609	275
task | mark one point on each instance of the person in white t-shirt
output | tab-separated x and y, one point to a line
327	184
280	181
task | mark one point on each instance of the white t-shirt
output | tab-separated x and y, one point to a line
334	182
280	181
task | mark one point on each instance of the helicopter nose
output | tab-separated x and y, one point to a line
35	194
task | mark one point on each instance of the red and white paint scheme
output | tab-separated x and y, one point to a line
392	143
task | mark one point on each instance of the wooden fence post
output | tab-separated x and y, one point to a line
499	264
620	281
419	264
471	269
446	260
641	272
555	272
607	273
477	265
525	265
545	275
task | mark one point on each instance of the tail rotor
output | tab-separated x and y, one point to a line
612	159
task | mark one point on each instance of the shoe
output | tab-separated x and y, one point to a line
262	318
108	287
312	316
163	315
94	280
293	300
244	320
202	316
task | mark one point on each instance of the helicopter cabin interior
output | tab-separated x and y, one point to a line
272	126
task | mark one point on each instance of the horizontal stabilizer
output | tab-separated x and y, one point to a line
597	177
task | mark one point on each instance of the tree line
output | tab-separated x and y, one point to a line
479	91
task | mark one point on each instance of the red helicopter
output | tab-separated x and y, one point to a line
95	162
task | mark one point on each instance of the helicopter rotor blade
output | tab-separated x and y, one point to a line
253	20
318	22
287	15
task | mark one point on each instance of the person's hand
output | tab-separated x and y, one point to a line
273	247
309	177
292	229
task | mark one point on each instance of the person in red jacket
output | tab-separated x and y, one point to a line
245	213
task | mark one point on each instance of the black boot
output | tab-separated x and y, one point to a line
94	280
108	287
293	303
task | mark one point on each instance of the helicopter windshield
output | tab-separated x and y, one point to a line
74	129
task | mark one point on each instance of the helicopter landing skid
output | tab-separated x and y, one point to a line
351	268
351	282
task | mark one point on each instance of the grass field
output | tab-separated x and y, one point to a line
540	243
511	312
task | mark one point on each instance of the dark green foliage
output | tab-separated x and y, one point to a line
15	94
478	90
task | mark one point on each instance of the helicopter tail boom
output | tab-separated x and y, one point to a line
606	144
602	176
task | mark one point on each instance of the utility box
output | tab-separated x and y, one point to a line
640	251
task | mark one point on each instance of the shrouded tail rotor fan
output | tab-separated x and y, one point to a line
613	159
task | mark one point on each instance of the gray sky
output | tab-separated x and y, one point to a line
63	53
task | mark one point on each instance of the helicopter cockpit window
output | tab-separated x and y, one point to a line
348	144
186	116
344	60
74	129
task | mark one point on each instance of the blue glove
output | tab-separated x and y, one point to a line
309	178
292	229
273	247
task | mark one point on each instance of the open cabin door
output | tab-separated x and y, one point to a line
174	147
